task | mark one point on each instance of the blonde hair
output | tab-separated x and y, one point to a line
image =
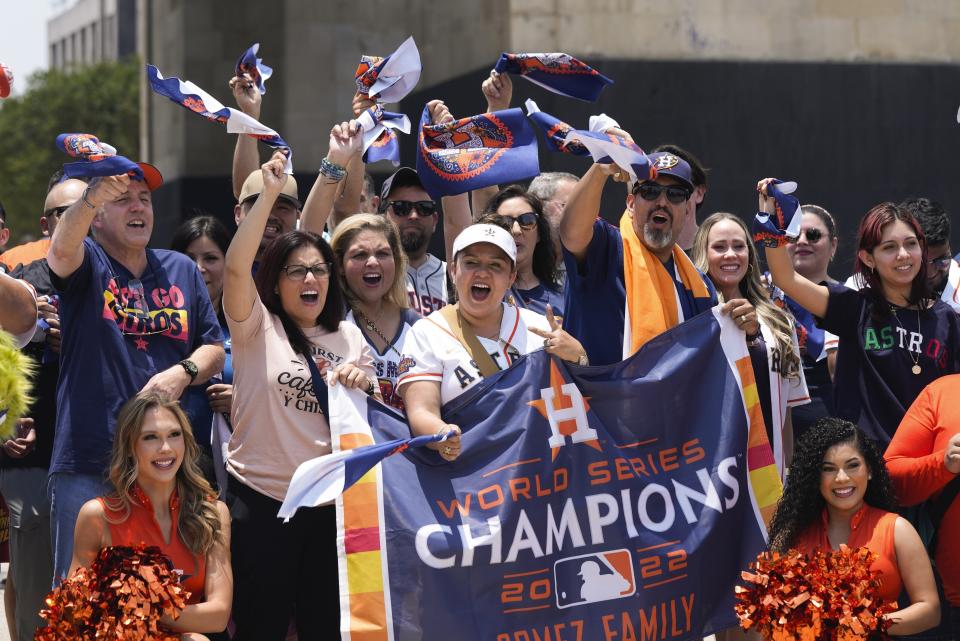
777	321
199	524
342	239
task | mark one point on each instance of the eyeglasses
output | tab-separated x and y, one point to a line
299	272
652	191
527	221
56	211
940	263
813	235
402	208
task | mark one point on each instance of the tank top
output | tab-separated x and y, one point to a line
872	528
142	527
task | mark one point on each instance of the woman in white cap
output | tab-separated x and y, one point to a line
455	347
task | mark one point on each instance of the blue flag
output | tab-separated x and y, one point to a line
557	72
476	152
587	503
96	158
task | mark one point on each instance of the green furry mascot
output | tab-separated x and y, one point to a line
16	372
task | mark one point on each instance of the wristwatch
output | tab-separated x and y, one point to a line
190	367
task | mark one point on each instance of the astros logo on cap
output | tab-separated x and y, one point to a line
667	161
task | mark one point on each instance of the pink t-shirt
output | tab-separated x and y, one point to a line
277	421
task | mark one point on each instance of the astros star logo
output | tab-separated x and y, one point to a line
565	408
141	344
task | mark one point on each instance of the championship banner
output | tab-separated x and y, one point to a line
588	504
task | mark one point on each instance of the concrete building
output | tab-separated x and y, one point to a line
856	100
90	31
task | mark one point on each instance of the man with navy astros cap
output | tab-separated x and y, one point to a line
628	283
132	319
404	201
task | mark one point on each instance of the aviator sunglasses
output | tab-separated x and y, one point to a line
813	235
652	191
402	208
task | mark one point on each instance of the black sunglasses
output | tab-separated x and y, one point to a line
527	220
402	208
652	191
56	211
813	235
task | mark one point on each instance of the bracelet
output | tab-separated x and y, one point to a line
753	341
85	200
332	170
372	388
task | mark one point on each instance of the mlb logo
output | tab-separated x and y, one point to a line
592	578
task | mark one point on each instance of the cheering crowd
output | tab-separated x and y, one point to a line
167	378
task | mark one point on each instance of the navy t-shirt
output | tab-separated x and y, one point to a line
537	298
100	366
195	403
874	383
596	298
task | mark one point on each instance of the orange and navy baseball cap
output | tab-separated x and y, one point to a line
151	175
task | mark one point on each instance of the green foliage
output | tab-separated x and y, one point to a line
102	100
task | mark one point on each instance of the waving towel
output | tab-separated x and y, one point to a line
190	96
557	72
253	66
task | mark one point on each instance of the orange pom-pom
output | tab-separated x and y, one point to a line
830	595
122	596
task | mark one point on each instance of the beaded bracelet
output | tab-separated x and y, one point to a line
332	170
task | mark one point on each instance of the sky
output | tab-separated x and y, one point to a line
23	36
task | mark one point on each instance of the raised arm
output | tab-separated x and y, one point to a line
66	247
346	142
347	202
583	207
498	90
246	156
239	290
811	296
18	307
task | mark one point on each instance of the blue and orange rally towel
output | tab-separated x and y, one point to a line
784	224
557	72
190	96
602	147
476	152
386	80
97	158
253	66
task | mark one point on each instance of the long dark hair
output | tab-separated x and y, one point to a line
269	273
802	503
198	227
868	237
544	255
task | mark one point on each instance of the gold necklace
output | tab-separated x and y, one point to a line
369	324
916	369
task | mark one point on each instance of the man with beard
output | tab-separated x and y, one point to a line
404	201
283	216
943	272
627	284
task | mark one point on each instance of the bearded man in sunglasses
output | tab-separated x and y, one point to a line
633	281
404	201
